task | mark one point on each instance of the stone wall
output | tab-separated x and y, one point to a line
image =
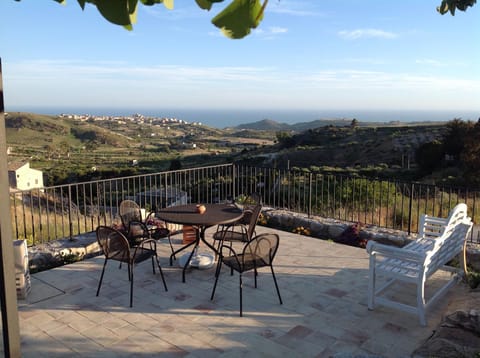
59	252
331	229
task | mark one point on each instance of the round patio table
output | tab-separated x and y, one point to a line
188	215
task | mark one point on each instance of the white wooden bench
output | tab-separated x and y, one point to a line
439	241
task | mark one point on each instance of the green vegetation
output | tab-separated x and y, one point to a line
72	150
455	157
235	21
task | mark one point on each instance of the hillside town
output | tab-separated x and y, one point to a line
134	118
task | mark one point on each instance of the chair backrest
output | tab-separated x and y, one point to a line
263	246
113	243
253	220
252	200
130	211
433	227
447	246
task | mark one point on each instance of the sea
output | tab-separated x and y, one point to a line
224	118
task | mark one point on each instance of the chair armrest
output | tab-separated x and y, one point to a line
138	223
232	253
150	216
141	246
374	248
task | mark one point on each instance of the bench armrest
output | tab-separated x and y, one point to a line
374	248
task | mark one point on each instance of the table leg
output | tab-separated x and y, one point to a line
202	237
196	243
180	250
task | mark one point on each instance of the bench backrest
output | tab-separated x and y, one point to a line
447	246
434	227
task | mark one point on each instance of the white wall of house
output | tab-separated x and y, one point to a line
27	178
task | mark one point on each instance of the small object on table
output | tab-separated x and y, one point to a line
201	208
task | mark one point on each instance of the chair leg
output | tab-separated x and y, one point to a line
161	272
171	246
241	284
217	273
131	283
255	276
276	285
101	277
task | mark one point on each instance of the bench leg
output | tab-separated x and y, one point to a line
371	283
421	301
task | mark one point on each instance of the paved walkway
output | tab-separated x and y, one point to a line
324	314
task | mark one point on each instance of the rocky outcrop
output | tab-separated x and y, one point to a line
59	252
459	333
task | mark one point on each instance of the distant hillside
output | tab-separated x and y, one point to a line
271	125
347	146
265	125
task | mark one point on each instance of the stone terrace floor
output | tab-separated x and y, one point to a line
324	313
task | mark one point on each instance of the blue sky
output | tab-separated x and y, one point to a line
305	55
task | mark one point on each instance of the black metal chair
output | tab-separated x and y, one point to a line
137	229
257	253
248	205
115	247
238	232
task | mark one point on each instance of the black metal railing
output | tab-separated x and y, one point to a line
63	211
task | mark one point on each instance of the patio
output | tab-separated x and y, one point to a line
323	286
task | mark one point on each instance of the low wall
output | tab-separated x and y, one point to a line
63	251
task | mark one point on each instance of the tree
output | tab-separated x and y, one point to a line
235	21
470	156
429	156
454	139
285	140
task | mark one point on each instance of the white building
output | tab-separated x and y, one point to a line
22	177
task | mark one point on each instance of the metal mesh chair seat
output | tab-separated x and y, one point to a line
257	253
245	262
116	247
238	232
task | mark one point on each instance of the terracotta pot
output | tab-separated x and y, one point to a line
189	234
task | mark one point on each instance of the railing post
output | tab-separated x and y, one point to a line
234	181
412	187
309	214
70	224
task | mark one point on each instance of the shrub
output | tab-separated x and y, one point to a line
351	236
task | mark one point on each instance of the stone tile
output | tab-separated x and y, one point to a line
324	312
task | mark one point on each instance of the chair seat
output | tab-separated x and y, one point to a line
247	262
230	235
257	253
159	233
141	254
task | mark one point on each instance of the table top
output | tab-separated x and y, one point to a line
188	214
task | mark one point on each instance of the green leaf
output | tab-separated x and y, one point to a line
443	8
81	3
206	4
151	2
168	4
115	12
120	12
238	18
